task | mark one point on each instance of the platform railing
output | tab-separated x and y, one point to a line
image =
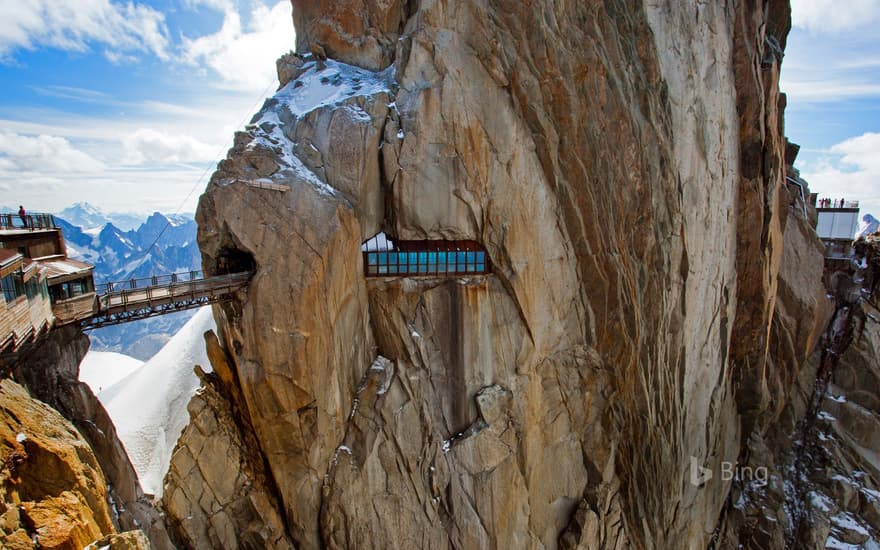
37	220
151	281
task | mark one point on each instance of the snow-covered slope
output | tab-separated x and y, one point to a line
148	407
102	369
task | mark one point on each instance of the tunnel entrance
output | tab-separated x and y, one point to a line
233	260
384	257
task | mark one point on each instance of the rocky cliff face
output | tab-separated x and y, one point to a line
649	308
50	372
52	490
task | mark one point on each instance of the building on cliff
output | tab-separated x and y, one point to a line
42	287
838	223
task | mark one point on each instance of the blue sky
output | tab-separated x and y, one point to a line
129	104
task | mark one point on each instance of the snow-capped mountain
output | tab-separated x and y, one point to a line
160	244
868	226
87	216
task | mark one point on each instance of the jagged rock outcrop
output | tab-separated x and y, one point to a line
220	496
622	164
818	457
50	372
52	490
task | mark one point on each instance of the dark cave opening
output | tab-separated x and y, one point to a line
233	260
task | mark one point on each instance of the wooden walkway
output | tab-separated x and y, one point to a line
136	299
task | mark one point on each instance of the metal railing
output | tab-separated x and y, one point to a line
125	301
167	288
37	220
145	282
836	203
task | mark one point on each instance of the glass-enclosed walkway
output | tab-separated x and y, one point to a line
386	258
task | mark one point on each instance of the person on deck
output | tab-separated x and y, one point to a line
23	215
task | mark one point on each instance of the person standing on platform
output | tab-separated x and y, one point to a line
23	215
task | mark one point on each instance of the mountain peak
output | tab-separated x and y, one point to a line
84	215
868	226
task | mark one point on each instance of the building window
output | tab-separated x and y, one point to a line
72	289
13	287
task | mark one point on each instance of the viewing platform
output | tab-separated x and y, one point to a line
837	225
836	204
31	222
428	258
43	288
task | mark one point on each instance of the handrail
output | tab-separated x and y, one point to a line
144	282
166	290
35	220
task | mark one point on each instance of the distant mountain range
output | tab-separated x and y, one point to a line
122	248
86	216
161	244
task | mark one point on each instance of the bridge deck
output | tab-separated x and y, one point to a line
121	305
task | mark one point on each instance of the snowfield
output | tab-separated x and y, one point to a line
148	406
102	369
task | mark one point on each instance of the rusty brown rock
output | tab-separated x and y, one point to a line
52	488
359	32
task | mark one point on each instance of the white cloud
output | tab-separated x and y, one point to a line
851	170
43	153
818	91
147	154
219	5
147	145
129	27
71	92
244	56
834	16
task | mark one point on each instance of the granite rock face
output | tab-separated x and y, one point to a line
223	502
623	166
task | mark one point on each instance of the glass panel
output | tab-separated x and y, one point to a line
413	258
371	270
371	259
481	257
392	268
481	267
383	269
383	258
